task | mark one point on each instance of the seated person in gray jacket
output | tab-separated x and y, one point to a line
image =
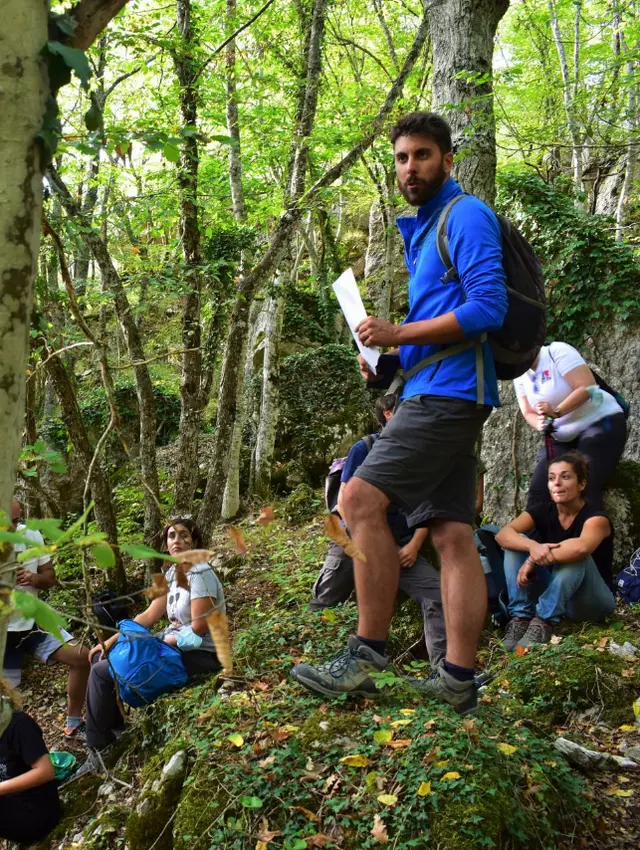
418	578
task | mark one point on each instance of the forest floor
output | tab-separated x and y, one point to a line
269	767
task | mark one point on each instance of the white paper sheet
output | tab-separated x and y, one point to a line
348	295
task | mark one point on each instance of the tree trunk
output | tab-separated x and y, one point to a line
270	396
100	486
142	379
210	507
190	409
632	125
231	498
23	95
462	34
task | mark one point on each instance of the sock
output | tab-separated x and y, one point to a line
73	722
376	645
462	674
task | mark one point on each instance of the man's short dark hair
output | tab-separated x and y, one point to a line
383	404
428	124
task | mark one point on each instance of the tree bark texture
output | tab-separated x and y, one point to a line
462	34
233	126
231	498
190	408
142	379
23	95
210	507
270	394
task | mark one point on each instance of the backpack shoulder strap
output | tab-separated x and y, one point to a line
442	240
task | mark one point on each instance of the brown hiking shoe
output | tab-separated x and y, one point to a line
538	632
515	630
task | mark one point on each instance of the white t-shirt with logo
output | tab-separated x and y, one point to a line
546	383
18	622
203	583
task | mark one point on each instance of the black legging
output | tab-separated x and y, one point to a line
601	443
102	712
25	820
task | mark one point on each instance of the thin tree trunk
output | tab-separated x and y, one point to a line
210	507
632	125
462	34
190	409
23	95
233	125
270	395
569	99
135	350
231	498
100	487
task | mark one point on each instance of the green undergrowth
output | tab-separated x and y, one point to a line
270	767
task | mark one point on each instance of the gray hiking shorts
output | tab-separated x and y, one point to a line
424	460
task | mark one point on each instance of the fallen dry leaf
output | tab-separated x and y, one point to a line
306	812
453	774
628	673
181	577
219	631
619	792
267	762
469	725
318	840
261	845
603	642
507	749
338	534
443	763
408	712
159	587
266	835
430	724
400	743
266	517
424	789
627	727
556	639
379	830
196	556
396	723
521	650
238	540
387	799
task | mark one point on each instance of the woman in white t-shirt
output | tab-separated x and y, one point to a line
561	386
186	609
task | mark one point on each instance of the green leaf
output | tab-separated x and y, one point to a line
35	552
39	446
104	555
49	528
45	616
13	537
251	803
74	58
139	550
171	152
225	140
236	739
89	539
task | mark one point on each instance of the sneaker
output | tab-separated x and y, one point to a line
538	632
347	673
463	696
77	733
93	764
515	630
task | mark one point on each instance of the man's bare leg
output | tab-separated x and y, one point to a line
76	659
376	580
464	589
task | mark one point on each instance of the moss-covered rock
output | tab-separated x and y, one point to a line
551	682
149	824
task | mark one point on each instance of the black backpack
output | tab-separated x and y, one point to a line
332	481
516	345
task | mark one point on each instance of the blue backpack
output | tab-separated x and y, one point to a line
144	666
628	580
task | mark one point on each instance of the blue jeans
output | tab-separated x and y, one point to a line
576	591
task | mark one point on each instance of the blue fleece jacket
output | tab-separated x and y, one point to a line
478	299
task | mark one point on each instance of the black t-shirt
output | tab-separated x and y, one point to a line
22	744
549	530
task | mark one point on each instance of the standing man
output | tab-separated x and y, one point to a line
426	453
25	638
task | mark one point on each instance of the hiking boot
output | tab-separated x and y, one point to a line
93	764
347	673
440	685
515	630
538	632
77	733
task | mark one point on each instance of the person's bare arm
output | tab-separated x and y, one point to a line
340	502
41	772
594	531
535	420
42	580
578	379
200	610
409	553
438	331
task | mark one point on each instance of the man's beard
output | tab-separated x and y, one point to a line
424	190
